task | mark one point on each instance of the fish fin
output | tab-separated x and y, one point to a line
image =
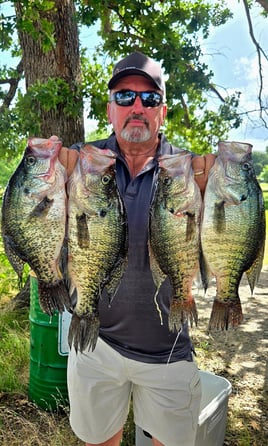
157	273
54	297
84	332
253	273
180	311
190	226
115	277
204	271
158	278
219	219
225	314
42	208
82	231
63	262
15	260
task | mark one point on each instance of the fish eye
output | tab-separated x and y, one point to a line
30	160
102	213
167	181
246	166
105	179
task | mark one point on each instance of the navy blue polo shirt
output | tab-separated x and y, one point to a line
131	324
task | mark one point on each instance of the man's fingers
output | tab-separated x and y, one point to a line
68	159
201	166
73	156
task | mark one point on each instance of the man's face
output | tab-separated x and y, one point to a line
136	123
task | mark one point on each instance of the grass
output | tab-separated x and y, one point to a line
264	187
14	353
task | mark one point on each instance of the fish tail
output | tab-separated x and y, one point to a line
225	314
182	311
83	332
54	297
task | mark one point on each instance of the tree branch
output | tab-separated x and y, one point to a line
214	89
13	85
260	52
187	121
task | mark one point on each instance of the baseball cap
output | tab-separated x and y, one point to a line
138	63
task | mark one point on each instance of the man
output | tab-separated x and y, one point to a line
133	352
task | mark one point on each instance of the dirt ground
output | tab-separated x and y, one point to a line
239	355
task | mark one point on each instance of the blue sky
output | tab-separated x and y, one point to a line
231	55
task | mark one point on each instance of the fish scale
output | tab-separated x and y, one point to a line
97	240
232	230
34	203
174	235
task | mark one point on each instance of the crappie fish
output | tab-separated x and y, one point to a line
97	240
174	235
233	230
34	220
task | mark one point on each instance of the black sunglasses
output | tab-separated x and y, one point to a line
125	98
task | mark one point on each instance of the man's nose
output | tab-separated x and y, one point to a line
137	106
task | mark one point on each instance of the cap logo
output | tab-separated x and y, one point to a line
118	70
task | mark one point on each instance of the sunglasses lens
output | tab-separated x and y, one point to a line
150	99
125	98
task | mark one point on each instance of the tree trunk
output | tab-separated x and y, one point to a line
264	4
60	62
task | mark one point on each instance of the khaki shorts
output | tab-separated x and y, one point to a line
166	397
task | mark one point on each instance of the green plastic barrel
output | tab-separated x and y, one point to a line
48	369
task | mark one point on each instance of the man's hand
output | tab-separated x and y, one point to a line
68	159
201	166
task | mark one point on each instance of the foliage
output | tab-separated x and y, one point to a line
170	31
94	87
260	161
96	135
44	96
264	174
14	353
264	187
7	167
32	13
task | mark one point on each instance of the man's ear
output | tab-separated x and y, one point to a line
164	112
108	113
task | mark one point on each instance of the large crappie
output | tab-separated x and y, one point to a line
97	240
34	219
233	230
174	243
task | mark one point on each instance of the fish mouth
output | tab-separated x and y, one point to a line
48	175
45	177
